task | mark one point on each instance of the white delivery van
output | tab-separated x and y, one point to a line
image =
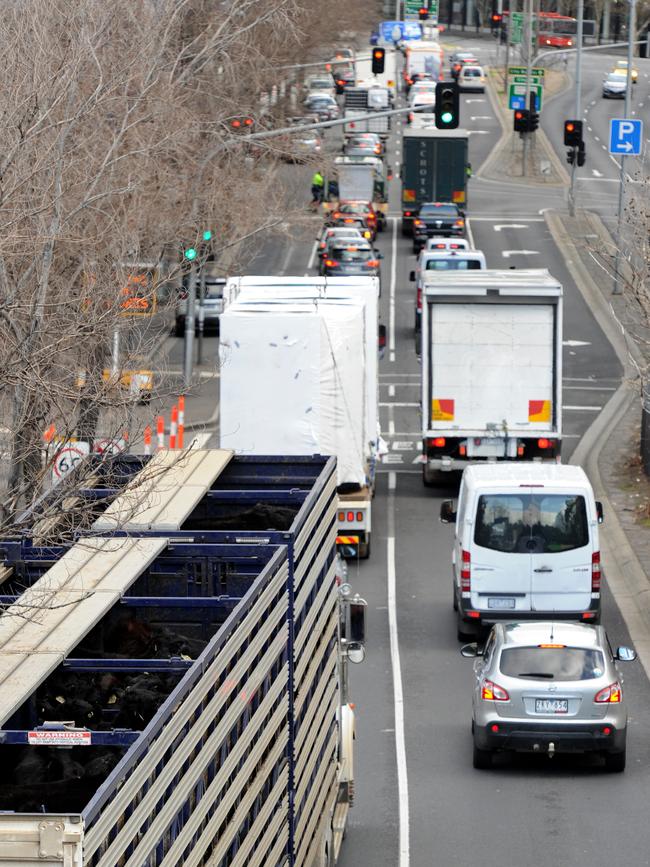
445	258
526	545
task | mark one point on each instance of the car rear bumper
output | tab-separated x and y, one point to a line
536	737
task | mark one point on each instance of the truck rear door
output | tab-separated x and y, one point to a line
491	367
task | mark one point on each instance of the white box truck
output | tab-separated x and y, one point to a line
491	368
304	351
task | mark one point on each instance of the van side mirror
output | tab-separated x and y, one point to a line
357	631
599	512
470	651
412	276
447	513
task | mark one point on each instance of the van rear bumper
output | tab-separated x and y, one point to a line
479	618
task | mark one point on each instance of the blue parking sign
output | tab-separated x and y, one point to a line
517	101
625	136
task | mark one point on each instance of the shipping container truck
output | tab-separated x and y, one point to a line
299	373
176	694
434	169
491	368
361	179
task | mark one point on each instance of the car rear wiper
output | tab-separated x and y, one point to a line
536	674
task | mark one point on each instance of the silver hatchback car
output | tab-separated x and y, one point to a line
548	688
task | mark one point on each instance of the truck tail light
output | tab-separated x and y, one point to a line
331	263
595	572
418	222
359	516
612	694
341	516
465	572
520	451
491	691
544	443
436	442
462	451
418	298
350	516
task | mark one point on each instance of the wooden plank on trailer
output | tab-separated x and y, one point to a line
166	492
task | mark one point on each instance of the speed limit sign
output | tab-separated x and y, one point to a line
67	458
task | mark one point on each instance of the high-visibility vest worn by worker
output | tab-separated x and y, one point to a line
317	180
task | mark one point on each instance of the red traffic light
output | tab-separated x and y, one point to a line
497	18
241	122
569	127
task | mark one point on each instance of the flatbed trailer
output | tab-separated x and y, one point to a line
261	702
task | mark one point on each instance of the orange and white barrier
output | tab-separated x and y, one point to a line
181	420
173	427
147	440
160	433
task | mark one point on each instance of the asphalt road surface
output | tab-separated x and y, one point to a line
419	802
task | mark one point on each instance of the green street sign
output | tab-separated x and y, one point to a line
516	28
537	71
520	90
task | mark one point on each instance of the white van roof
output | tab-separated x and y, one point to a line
512	474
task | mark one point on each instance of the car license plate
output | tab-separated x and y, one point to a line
551	705
501	602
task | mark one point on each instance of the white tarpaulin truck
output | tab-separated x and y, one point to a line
361	179
299	360
362	100
491	368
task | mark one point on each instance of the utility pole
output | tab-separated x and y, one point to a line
577	115
528	29
511	9
631	32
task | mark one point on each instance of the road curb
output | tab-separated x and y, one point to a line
626	576
502	114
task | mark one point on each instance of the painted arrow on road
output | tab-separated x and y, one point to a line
596	173
474	100
477	132
499	226
576	343
481	117
508	253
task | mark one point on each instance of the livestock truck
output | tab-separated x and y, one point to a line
172	684
435	167
491	368
299	375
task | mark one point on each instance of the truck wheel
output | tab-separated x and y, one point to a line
364	549
431	478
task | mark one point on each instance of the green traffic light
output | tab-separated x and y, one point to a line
207	235
446	117
190	254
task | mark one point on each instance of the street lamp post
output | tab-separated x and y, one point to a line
631	28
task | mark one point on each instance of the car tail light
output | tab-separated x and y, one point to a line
418	222
372	263
407	213
418	298
495	728
491	691
436	442
612	694
439	246
322	245
336	215
466	572
377	149
359	516
371	218
595	572
459	223
331	263
341	82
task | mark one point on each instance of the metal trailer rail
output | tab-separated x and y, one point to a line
171	798
308	486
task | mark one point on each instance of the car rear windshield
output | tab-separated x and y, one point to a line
438	211
552	663
472	73
531	523
324	83
359	208
345	254
453	265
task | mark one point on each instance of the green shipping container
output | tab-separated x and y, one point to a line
434	169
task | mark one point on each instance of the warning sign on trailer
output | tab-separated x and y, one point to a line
60	739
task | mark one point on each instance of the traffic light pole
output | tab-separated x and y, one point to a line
631	28
577	115
189	328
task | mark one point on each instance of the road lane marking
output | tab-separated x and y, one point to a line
499	226
583	408
393	283
470	234
588	388
391	403
391	391
398	690
312	257
508	253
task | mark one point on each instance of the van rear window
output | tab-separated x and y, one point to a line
453	264
531	523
